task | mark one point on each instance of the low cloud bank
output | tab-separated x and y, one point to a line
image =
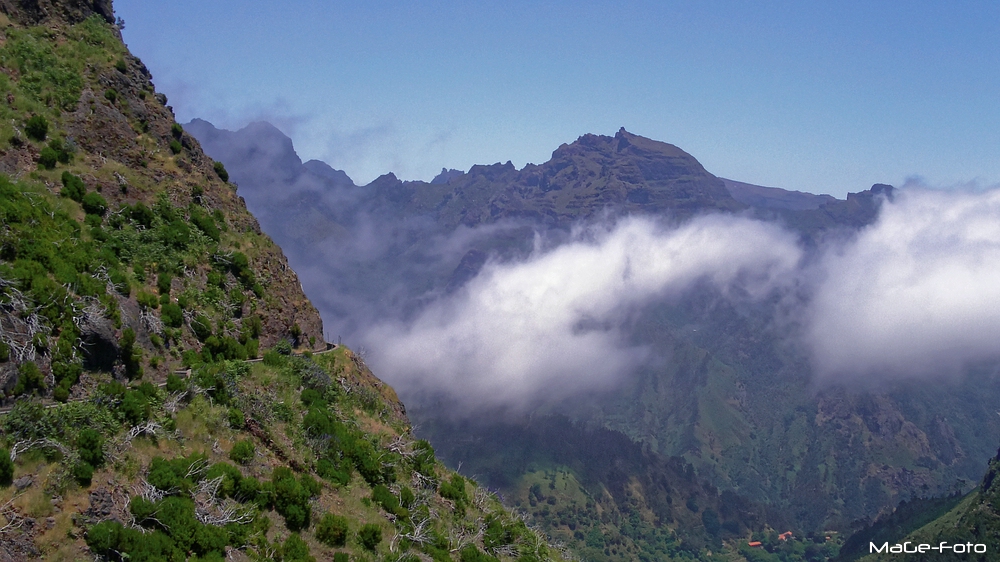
553	325
916	294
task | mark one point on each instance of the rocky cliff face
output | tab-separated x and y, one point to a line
34	12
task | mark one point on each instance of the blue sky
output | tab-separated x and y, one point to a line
817	96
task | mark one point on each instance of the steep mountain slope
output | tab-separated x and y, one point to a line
136	294
954	527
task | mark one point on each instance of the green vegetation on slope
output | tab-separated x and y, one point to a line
125	255
333	469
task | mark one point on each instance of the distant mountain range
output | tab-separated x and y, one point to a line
736	401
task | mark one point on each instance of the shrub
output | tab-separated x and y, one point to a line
312	397
142	508
175	146
105	537
61	393
6	468
141	215
62	154
176	513
283	347
220	169
37	128
383	497
205	223
340	557
202	327
47	158
172	315
370	535
454	489
147	300
29	378
337	472
163	283
253	349
273	359
317	422
242	452
236	420
310	485
332	530
83	473
291	499
423	458
111	95
134	407
176	234
91	446
94	204
175	383
176	130
296	550
406	497
73	187
248	489
120	66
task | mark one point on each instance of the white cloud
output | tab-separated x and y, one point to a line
551	326
915	294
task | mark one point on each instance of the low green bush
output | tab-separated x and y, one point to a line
90	443
291	499
454	489
175	383
73	187
47	158
29	379
37	128
83	473
370	535
94	204
236	419
383	497
172	315
332	530
220	170
242	451
163	281
296	550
